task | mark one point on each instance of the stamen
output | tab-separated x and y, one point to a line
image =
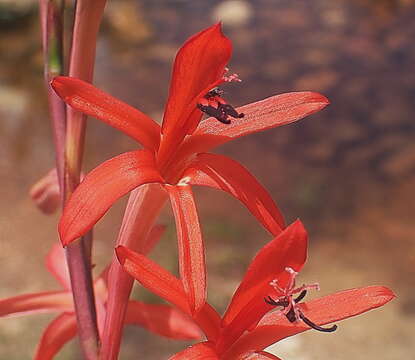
213	105
289	305
271	301
291	316
230	78
233	77
301	296
316	327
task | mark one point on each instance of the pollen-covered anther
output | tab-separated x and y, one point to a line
289	304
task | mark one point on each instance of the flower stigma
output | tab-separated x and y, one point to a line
289	304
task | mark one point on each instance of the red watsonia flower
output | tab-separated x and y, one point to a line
160	319
175	154
265	308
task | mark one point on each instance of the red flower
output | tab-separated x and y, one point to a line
159	319
175	154
251	323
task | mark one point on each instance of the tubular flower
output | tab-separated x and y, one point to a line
264	309
160	319
175	154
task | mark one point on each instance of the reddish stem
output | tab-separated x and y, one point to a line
88	16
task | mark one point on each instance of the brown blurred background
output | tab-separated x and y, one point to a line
347	172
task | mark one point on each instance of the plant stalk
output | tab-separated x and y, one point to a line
88	14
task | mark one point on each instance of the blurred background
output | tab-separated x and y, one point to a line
347	172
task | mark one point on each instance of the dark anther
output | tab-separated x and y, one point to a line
271	301
214	92
215	106
290	315
301	296
215	112
229	110
316	327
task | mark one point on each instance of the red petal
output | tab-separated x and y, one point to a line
56	335
190	245
45	192
209	321
89	100
289	249
56	264
163	320
35	303
262	115
328	309
223	173
153	238
257	356
153	277
200	351
199	63
102	187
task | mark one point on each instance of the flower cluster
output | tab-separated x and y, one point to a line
174	157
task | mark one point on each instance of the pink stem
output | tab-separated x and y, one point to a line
142	209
